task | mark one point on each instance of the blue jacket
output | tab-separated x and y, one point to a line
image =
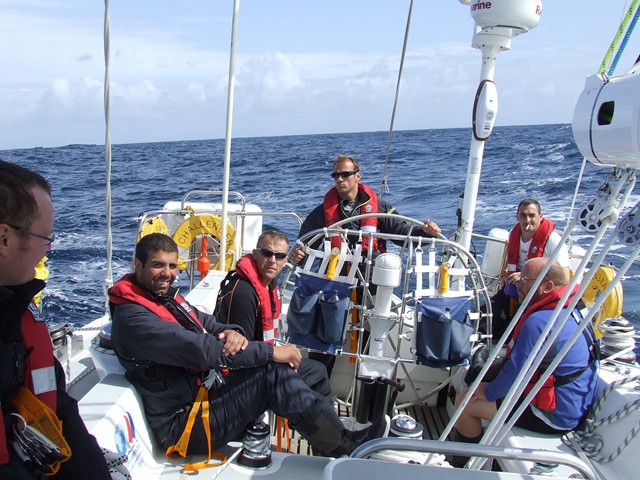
573	399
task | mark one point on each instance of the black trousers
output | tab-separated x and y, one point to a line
315	375
246	394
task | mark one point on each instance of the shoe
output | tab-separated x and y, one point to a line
478	359
379	429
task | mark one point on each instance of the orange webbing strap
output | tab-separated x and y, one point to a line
39	416
354	331
287	432
281	423
279	433
202	400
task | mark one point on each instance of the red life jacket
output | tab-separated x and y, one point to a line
125	291
270	303
545	399
332	214
536	249
40	372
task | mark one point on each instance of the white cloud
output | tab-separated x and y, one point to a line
335	72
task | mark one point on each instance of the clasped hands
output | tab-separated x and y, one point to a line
235	342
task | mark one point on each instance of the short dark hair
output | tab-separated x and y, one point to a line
273	235
529	201
17	205
154	242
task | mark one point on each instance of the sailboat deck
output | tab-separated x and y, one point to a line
433	419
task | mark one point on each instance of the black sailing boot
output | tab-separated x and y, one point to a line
326	434
459	461
478	359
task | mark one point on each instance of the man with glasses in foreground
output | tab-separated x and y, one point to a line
249	297
29	372
349	198
568	393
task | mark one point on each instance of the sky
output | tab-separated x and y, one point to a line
302	67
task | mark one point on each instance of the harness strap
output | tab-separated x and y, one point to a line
180	448
282	423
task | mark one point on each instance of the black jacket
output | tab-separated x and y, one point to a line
87	460
164	360
316	220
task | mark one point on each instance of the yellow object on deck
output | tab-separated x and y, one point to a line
331	268
153	225
444	277
42	273
612	306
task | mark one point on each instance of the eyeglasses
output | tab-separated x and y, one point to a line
268	254
47	240
346	174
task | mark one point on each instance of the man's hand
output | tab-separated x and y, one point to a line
297	255
515	277
234	342
431	228
287	354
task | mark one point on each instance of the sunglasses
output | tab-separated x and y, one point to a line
268	254
346	174
47	240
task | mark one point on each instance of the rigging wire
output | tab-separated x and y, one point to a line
623	24
108	281
384	187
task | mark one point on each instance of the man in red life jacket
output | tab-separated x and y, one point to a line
26	352
249	297
532	237
169	348
565	398
349	198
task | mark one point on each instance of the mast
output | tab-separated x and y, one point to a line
227	138
497	21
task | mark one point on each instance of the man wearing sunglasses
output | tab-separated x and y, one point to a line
349	198
26	353
249	297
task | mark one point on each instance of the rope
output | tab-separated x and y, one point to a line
616	38
623	44
384	187
592	443
618	336
108	282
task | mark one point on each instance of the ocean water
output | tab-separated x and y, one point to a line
426	174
